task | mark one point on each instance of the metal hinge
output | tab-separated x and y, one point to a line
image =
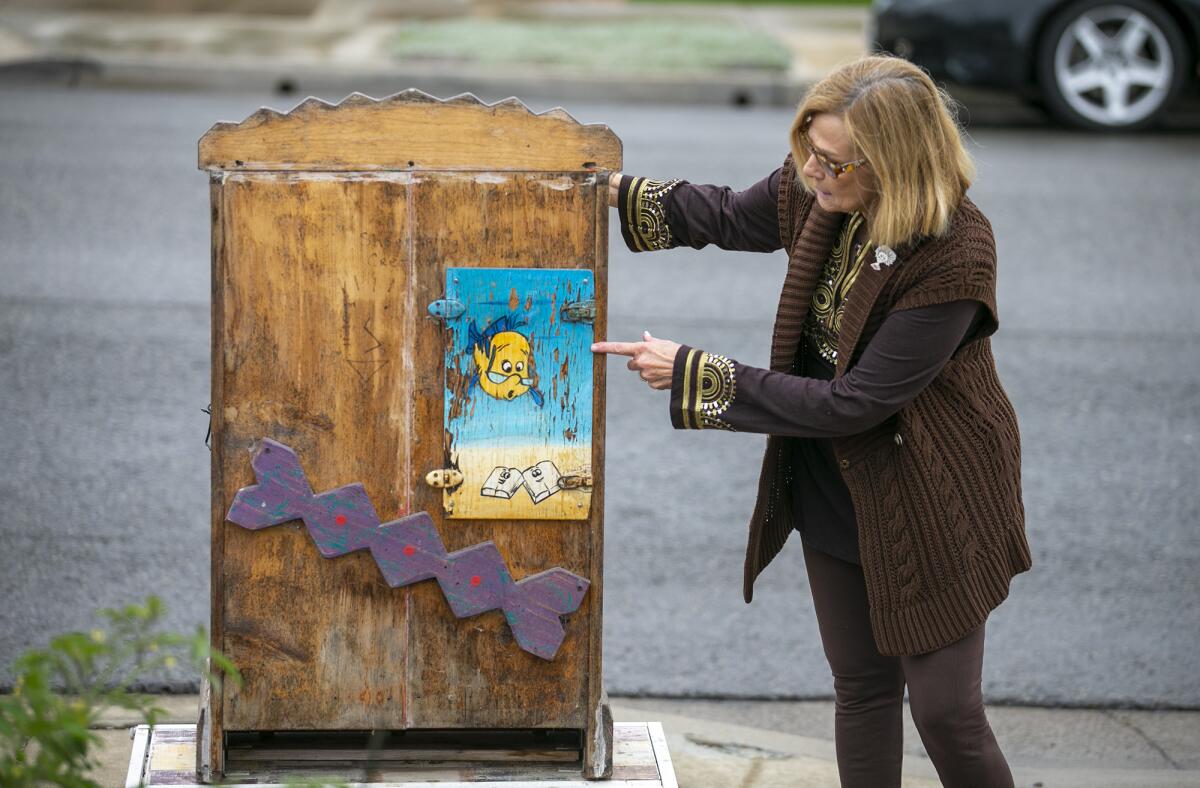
579	311
576	480
444	477
447	308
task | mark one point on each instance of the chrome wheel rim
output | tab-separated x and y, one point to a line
1113	65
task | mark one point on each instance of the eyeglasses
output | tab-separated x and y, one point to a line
832	169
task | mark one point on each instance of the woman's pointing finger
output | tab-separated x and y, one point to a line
619	348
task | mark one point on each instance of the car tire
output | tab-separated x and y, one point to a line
1113	65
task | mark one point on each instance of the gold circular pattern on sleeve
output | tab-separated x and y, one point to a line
717	388
650	215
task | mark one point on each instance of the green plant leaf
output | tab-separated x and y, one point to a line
59	692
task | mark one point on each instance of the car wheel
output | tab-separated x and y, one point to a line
1111	65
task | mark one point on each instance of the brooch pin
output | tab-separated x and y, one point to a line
883	256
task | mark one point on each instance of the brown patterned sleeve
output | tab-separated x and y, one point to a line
642	212
656	215
703	387
709	391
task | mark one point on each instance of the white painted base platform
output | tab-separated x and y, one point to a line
166	755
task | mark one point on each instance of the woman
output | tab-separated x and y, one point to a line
893	448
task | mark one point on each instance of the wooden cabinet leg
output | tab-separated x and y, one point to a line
210	752
598	749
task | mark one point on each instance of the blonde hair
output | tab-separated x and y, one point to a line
904	126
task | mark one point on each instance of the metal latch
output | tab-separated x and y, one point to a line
444	477
579	311
447	308
576	480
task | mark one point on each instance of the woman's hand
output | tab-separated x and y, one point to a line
653	359
614	188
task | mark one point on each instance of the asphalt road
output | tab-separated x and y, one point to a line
104	359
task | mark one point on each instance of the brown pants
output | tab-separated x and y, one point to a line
944	692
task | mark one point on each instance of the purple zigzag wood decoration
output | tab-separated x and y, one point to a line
408	550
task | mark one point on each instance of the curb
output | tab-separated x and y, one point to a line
737	88
328	53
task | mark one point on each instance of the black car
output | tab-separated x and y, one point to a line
1101	64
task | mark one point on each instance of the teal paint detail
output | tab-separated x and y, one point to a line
563	597
447	308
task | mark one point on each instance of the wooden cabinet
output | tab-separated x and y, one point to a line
345	239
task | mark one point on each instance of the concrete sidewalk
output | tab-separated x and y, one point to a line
788	744
671	52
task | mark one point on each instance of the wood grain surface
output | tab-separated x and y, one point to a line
315	305
410	131
324	343
330	238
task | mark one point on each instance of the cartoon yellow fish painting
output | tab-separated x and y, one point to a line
504	365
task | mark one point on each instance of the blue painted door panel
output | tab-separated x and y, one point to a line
518	392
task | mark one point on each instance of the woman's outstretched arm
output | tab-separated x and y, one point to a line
712	391
903	357
656	214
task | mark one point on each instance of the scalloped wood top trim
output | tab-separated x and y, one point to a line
410	130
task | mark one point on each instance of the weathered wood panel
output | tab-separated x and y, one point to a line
332	232
314	296
210	733
468	673
300	360
598	734
410	131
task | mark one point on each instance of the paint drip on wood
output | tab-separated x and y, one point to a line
408	550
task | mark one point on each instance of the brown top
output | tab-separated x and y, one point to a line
936	486
909	350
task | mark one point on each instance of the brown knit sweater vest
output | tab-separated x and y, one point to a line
937	487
